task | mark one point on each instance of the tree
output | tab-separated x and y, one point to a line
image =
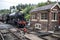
12	9
18	7
27	10
4	11
44	3
41	4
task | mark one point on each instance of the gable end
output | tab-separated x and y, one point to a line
55	5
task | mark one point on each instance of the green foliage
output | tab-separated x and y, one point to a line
41	4
12	7
21	6
44	3
27	16
4	11
27	10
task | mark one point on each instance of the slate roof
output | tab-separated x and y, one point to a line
46	7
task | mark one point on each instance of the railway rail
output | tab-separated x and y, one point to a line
12	34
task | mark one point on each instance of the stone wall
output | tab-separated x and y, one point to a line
44	25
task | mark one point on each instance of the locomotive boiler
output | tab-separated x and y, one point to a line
16	19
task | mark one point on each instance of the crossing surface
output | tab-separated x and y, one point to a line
12	34
33	37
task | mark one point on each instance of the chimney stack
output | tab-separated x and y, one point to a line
57	1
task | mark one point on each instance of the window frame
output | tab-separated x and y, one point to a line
45	18
33	17
38	26
54	15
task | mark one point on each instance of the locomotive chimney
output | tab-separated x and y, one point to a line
48	2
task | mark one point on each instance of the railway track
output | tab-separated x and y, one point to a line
12	34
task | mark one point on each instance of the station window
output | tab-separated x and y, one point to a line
33	16
38	26
54	16
44	16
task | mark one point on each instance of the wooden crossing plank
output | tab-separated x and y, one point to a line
58	36
32	37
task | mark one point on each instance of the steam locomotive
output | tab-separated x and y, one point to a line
15	19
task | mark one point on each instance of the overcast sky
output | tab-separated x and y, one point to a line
5	4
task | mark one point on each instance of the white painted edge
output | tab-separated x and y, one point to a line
51	31
47	20
33	19
55	5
